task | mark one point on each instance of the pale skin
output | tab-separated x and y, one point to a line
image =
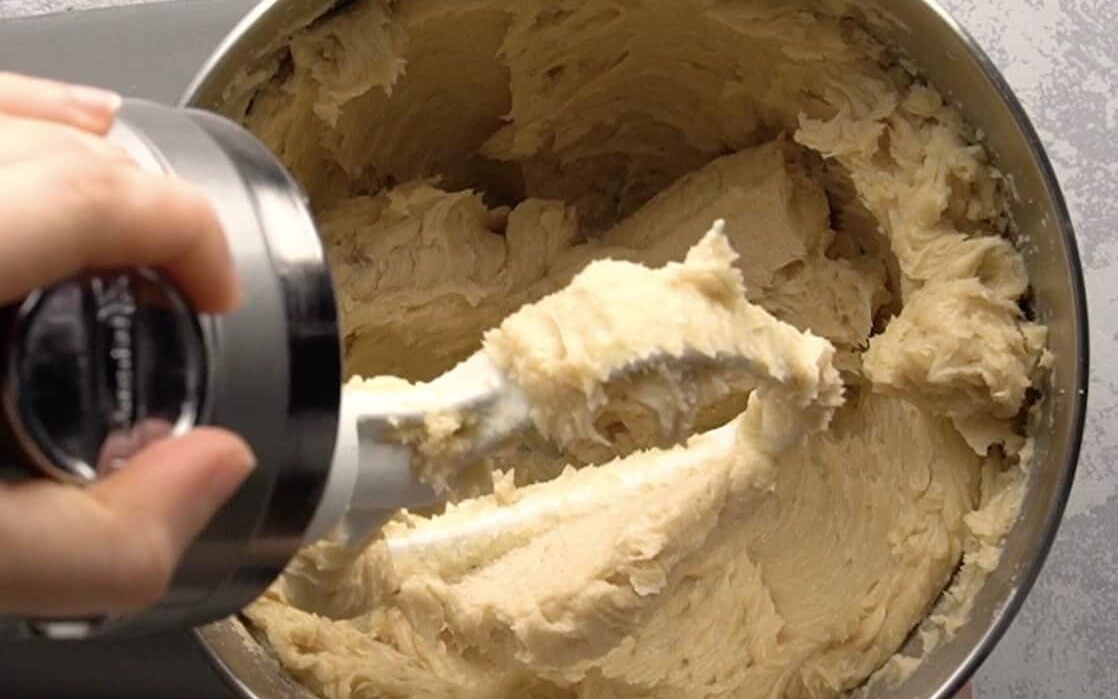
69	202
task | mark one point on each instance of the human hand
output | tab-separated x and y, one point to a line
70	201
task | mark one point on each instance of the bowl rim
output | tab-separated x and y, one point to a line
265	15
1027	577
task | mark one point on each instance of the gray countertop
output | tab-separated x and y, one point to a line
1061	58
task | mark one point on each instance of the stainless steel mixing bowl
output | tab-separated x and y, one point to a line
951	60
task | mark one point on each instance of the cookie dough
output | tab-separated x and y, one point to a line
622	358
466	158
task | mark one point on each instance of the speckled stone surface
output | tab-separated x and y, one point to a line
1061	58
27	8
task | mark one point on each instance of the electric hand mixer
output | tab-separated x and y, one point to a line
332	461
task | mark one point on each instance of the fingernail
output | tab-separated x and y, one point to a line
95	100
240	456
239	461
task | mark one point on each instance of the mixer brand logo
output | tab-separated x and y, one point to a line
115	314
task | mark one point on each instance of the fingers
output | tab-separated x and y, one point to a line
68	211
24	139
113	547
87	108
71	202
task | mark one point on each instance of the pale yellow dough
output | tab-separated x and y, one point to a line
466	158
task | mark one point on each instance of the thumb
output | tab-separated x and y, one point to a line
113	546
